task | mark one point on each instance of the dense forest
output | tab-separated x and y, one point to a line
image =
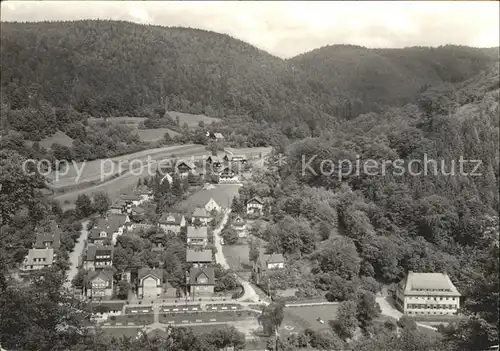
108	68
344	234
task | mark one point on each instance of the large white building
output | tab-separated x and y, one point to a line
427	294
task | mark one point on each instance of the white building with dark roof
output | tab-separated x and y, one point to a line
197	236
427	294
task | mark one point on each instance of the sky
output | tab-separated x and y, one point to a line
286	29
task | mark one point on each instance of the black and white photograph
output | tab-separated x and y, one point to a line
249	175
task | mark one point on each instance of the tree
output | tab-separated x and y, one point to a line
230	236
123	289
367	309
237	206
406	322
254	251
42	315
346	322
83	206
226	337
101	203
272	317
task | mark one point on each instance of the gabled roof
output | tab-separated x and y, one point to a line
211	200
198	255
171	218
155	273
214	159
238	221
104	274
227	172
93	251
118	203
109	225
200	232
53	236
255	199
218	136
138	210
47	254
195	272
189	164
428	283
200	212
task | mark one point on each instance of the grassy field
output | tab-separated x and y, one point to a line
127	181
119	332
222	194
58	137
92	170
151	135
251	151
300	318
236	256
192	120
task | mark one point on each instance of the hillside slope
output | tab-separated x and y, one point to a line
117	68
377	78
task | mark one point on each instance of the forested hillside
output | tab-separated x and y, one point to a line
346	233
107	68
373	79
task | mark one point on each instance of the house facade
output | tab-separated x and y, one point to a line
198	258
99	284
228	176
150	283
98	257
172	222
201	281
255	206
211	205
267	262
197	236
108	229
201	214
38	259
48	240
184	168
427	294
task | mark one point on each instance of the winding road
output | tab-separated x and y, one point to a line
74	256
249	292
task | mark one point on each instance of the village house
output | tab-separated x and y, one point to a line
98	257
119	206
201	281
150	283
172	222
255	206
239	224
185	168
131	200
219	137
211	206
214	161
99	284
427	294
239	158
108	229
267	262
201	214
158	241
48	238
198	258
197	236
38	259
144	192
228	176
137	214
